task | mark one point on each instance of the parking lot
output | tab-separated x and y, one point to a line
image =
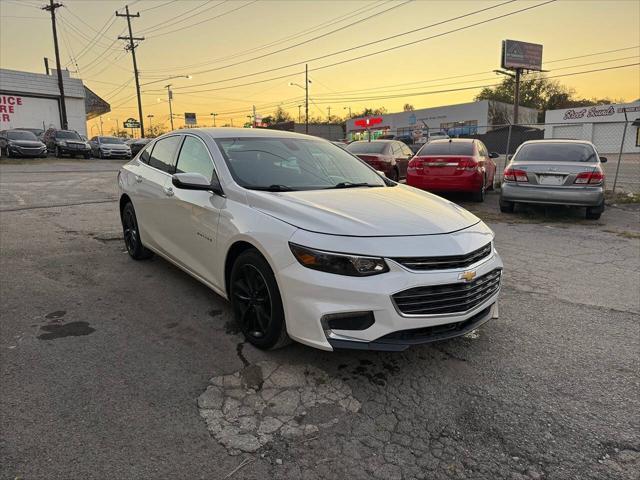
104	361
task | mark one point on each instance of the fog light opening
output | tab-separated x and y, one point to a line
347	321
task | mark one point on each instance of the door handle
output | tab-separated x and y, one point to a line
139	178
168	191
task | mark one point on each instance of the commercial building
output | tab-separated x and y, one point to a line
604	125
461	119
32	100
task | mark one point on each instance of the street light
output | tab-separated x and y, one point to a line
188	77
306	96
150	117
214	115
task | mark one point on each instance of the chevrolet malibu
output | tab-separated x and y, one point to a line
308	242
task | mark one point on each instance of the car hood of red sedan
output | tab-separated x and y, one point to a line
365	212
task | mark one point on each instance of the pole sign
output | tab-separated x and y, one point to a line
131	123
368	122
523	55
190	118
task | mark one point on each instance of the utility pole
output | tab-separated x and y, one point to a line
254	117
306	98
328	114
516	96
170	95
51	8
150	117
132	48
214	115
299	114
349	110
101	131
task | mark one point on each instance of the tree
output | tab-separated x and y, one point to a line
281	116
155	131
120	133
408	107
367	112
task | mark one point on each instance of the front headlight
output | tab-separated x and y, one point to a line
338	263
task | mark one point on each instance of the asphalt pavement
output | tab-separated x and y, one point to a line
115	369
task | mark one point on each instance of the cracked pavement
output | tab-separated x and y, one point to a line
119	369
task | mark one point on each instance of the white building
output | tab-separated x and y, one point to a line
464	118
603	125
32	100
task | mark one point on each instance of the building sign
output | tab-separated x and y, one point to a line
131	123
190	119
368	122
516	54
601	111
8	105
32	112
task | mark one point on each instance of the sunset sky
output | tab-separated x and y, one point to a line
184	38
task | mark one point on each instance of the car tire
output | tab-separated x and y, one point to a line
395	174
506	207
87	156
256	302
131	234
593	213
479	195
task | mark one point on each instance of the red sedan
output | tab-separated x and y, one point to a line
453	165
388	156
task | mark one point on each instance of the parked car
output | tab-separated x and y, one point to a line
431	136
137	144
66	142
307	242
21	143
562	172
109	147
453	165
388	156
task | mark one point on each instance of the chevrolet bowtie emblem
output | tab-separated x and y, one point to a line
467	276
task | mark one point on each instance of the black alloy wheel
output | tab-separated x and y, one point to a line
131	234
256	301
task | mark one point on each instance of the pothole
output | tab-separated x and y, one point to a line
246	410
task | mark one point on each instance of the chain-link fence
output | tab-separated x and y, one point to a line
619	142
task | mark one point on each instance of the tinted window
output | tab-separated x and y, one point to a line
67	134
145	154
163	155
298	164
556	152
447	148
367	147
20	135
112	140
194	158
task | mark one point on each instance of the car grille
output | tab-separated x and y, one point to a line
443	263
449	298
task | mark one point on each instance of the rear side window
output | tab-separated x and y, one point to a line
145	155
556	152
163	155
194	158
447	148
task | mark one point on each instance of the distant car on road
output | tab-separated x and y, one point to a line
109	147
453	165
21	143
66	142
562	172
137	144
388	156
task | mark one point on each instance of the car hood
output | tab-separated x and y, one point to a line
365	212
27	143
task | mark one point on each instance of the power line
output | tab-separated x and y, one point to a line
174	20
157	6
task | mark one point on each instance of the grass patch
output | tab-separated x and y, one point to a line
621	197
623	233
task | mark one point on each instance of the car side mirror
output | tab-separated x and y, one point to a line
196	181
603	159
494	155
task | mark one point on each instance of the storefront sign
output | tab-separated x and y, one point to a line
590	112
368	122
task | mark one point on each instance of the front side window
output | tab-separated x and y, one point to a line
67	135
163	155
293	164
556	152
194	158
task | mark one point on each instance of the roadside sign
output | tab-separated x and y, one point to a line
516	54
190	119
368	122
131	123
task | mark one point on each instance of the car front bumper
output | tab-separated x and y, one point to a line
115	153
310	295
581	196
27	151
74	151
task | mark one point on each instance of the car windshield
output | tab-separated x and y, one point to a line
556	152
367	147
112	140
66	134
21	135
283	164
447	148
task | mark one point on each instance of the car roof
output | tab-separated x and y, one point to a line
453	140
226	132
558	140
383	140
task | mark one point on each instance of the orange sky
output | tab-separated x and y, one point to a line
245	29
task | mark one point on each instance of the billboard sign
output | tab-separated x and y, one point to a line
131	123
516	54
190	119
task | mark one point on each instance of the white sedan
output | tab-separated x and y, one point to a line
307	242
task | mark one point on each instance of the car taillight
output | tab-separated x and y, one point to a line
596	176
416	164
514	175
467	164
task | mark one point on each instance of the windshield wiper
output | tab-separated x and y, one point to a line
271	188
354	185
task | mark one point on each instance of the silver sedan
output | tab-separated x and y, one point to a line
560	172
